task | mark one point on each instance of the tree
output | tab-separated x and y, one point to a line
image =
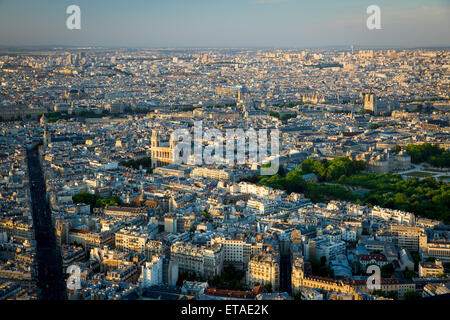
274	114
320	269
314	166
145	162
334	169
294	181
401	198
281	172
364	111
285	117
268	287
343	166
446	267
430	153
396	149
387	270
416	258
230	279
95	201
411	295
409	274
206	215
86	198
428	197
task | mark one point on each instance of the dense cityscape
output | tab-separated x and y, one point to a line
94	206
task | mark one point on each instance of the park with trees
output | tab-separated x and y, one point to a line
338	178
96	201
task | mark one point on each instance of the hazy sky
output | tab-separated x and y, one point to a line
225	23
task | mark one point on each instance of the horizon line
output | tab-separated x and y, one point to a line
56	47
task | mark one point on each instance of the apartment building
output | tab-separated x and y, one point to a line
411	238
322	247
300	281
253	189
124	273
262	269
89	240
16	228
131	240
154	247
152	272
237	251
204	261
439	250
386	285
204	172
396	216
125	212
431	269
261	206
370	259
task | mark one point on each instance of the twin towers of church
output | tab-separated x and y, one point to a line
161	151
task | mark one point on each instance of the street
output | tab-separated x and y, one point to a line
50	277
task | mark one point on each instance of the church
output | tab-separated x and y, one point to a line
161	151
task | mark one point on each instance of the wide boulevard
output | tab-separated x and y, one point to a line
50	277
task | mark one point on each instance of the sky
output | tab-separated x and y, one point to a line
225	23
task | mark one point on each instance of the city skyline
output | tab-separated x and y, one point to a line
251	23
